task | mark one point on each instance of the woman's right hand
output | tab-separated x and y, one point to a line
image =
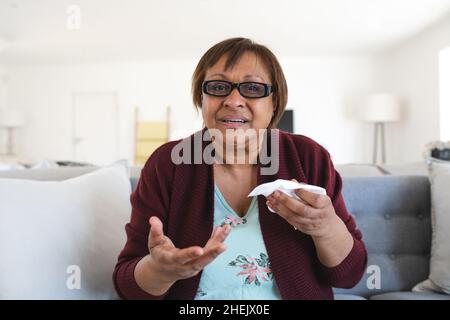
168	264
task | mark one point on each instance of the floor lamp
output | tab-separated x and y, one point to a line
380	109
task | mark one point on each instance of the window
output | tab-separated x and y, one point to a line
444	94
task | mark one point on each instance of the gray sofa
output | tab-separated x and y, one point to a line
392	211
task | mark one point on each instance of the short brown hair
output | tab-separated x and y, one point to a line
234	48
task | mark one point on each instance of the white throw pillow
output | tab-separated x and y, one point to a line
54	233
439	278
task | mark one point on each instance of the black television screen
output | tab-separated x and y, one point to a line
287	121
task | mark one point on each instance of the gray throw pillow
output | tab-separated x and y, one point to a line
439	278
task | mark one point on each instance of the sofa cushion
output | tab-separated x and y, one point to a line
47	174
439	278
401	295
60	240
358	170
393	214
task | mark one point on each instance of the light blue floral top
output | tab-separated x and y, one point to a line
243	271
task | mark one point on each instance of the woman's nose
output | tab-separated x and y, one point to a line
234	99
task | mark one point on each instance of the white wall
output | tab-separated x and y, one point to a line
327	94
411	69
3	104
322	91
45	92
3	86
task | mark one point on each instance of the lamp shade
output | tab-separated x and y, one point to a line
11	118
382	107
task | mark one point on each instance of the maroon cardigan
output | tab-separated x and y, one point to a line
182	196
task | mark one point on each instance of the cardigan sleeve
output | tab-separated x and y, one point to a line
320	170
350	271
151	198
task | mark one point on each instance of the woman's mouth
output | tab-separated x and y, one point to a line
233	122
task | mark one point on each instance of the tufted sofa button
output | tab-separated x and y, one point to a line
387	216
420	216
392	256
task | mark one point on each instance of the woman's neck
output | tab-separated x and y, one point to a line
236	172
236	157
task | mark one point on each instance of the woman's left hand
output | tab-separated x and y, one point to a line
315	216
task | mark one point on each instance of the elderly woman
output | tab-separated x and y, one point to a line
194	232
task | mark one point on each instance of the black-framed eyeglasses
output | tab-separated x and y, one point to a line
251	90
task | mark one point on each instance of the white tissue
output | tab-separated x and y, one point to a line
286	186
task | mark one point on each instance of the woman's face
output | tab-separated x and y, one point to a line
218	111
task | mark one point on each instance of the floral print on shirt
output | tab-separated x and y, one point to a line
200	293
233	221
255	269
